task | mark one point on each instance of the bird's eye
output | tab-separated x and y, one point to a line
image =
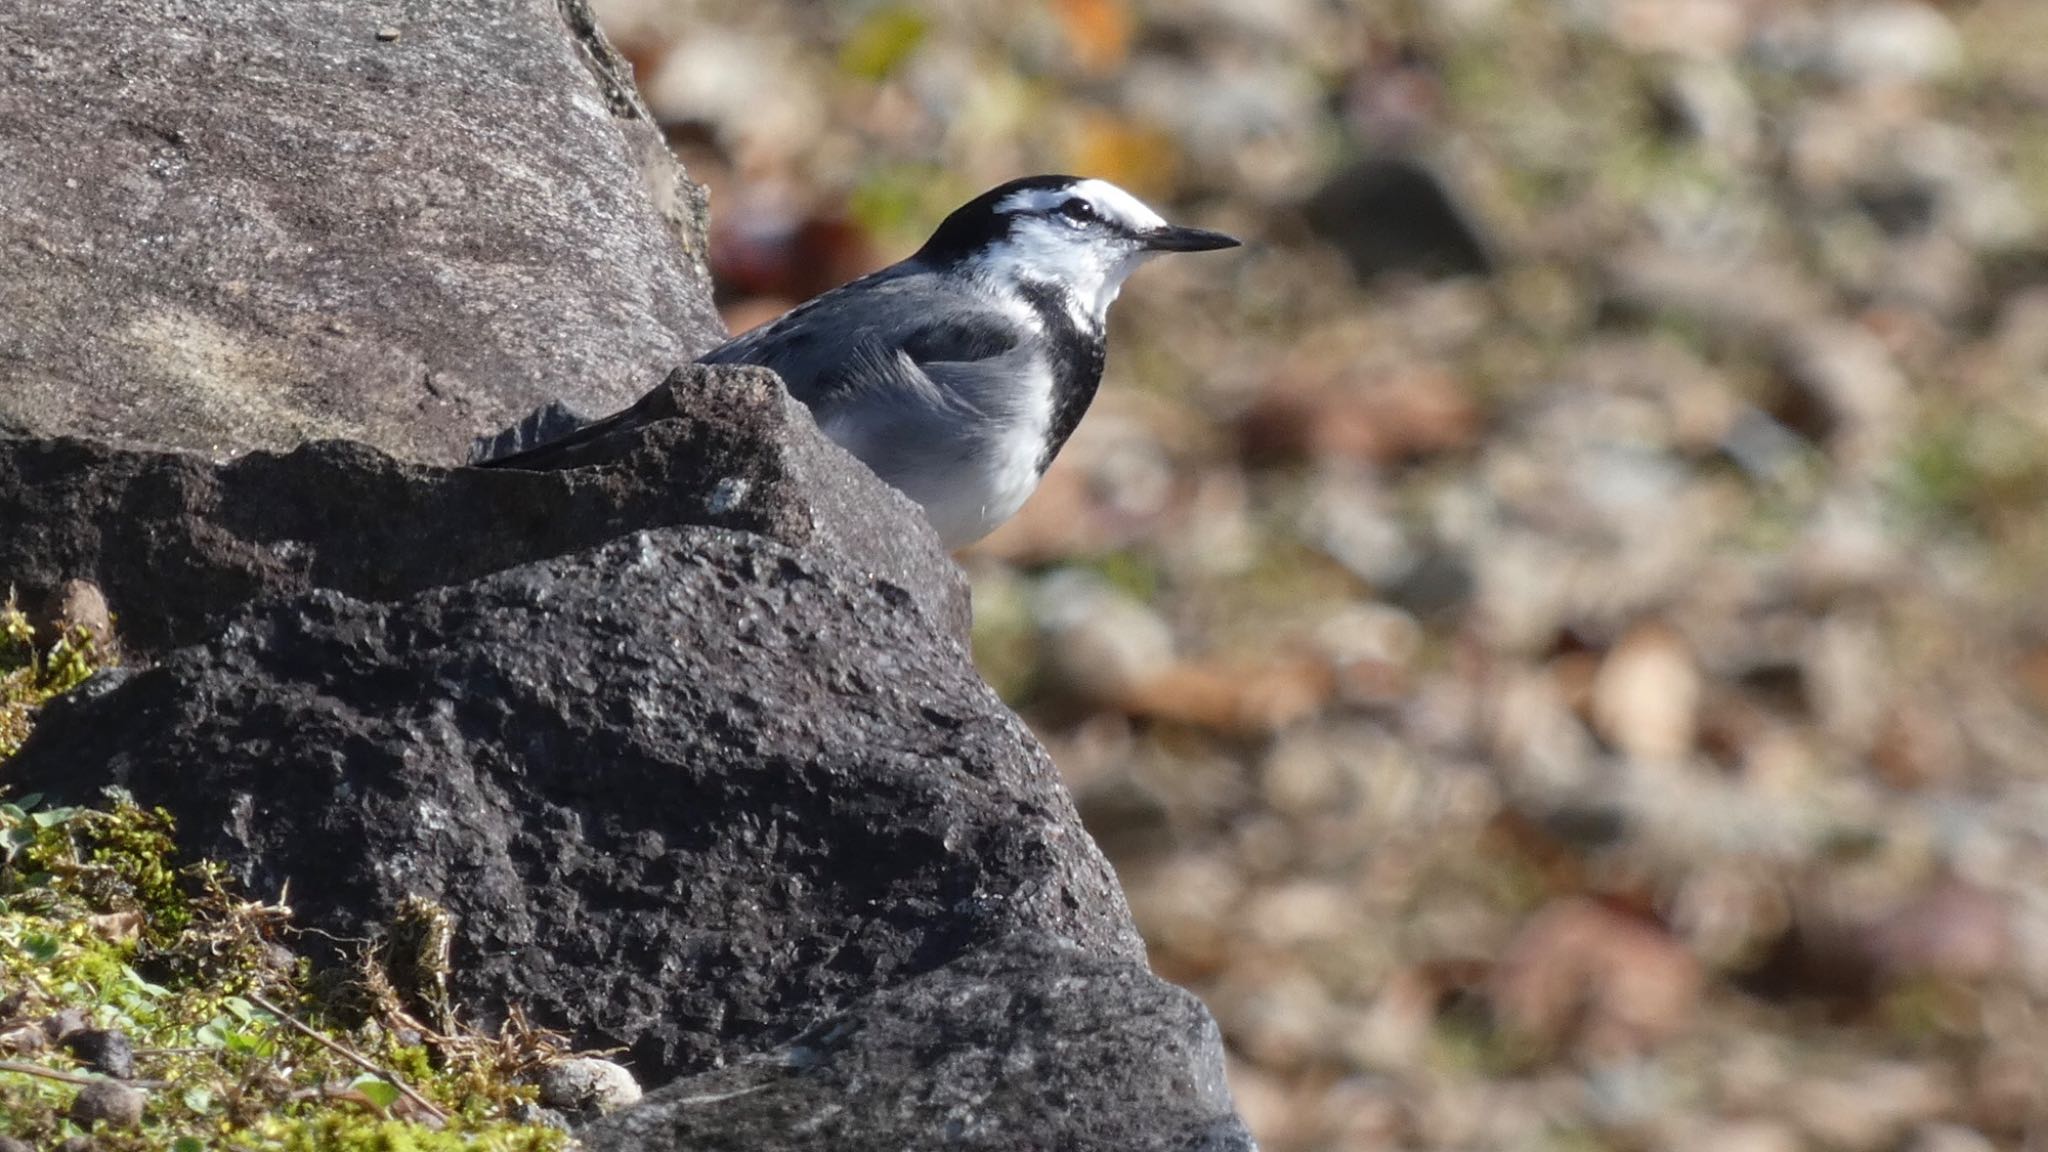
1078	211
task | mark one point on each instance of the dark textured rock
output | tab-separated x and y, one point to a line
1036	1046
106	1052
106	1102
247	223
65	1022
686	794
1394	215
179	543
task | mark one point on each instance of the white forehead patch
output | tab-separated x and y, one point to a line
1109	201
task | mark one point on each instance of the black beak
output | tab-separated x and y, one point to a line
1175	239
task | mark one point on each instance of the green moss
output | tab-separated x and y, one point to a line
95	916
334	1132
1006	644
1134	573
883	42
31	674
1974	475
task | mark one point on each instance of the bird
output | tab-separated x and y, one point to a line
958	373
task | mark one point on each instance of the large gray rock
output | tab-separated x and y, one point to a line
179	544
684	736
1036	1046
686	794
248	223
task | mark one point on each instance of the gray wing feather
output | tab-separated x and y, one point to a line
903	367
842	348
919	376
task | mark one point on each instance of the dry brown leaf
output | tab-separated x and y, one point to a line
116	927
1917	747
1957	931
1241	699
1135	155
2031	670
1405	416
1099	32
1581	974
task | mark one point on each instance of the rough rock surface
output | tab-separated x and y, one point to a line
686	794
178	543
1038	1046
110	1103
249	223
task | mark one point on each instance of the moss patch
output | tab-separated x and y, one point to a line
32	673
234	1043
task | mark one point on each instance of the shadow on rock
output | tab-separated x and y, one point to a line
179	543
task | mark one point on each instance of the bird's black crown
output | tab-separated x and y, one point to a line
976	224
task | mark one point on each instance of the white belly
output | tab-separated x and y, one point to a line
968	485
983	495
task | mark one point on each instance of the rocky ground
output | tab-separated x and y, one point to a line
1549	634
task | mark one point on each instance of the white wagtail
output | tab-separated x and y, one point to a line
958	374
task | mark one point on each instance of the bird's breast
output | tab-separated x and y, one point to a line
981	471
1076	350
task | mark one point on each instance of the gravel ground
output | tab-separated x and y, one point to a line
1549	633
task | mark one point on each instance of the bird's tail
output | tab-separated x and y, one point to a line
552	454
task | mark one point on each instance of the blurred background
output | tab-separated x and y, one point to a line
1551	633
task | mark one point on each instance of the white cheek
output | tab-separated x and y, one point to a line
1047	253
1114	282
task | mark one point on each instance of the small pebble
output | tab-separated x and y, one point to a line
586	1084
1948	1138
531	1113
64	1022
117	1105
105	1052
387	33
117	927
27	1038
74	605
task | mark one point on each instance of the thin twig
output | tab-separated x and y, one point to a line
719	1097
74	1077
346	1095
350	1055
